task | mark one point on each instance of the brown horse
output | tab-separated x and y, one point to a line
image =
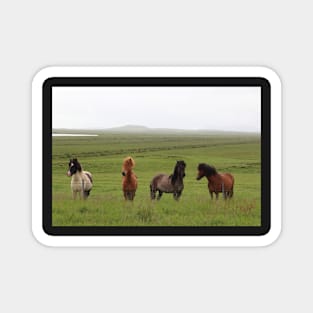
217	182
129	181
169	183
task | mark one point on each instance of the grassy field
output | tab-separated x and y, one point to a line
238	154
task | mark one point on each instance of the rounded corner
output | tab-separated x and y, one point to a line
271	237
270	75
43	75
41	237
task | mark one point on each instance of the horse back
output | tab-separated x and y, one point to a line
228	180
156	179
161	181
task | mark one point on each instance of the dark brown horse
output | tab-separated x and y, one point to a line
169	183
217	182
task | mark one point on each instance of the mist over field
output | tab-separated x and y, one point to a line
140	129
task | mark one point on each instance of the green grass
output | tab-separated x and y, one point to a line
155	153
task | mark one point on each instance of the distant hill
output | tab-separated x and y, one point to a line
137	129
128	129
143	129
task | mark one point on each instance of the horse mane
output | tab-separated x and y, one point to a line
174	176
207	169
128	163
77	164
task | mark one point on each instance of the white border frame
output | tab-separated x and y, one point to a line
157	241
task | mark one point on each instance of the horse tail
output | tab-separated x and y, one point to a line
231	192
153	189
86	193
223	189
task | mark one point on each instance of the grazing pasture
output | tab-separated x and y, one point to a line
238	154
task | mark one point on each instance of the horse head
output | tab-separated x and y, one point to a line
205	170
73	167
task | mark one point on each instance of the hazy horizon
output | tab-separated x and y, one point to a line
234	109
150	128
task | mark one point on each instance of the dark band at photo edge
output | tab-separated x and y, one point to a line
157	82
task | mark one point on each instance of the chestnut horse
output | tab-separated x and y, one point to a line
169	184
217	182
129	181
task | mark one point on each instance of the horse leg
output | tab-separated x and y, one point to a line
225	195
224	192
74	194
125	194
216	195
86	194
159	195
131	195
80	193
177	194
211	194
152	193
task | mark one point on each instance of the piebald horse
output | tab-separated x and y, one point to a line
81	182
217	182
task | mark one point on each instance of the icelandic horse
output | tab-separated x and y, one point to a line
217	182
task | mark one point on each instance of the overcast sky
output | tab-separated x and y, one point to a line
212	108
